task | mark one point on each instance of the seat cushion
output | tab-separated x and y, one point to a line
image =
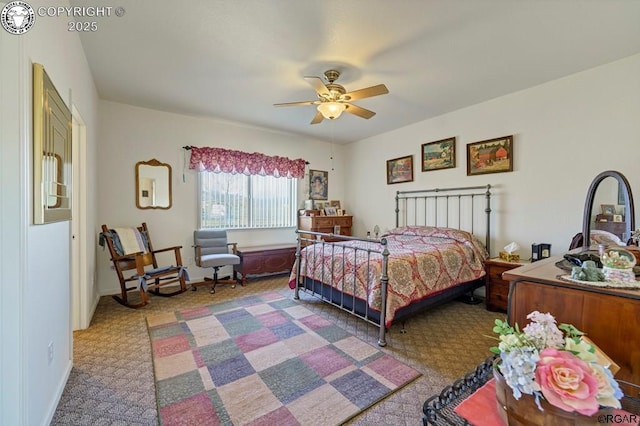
214	260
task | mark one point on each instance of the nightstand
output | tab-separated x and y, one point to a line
496	288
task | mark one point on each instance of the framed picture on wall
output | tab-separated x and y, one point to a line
439	155
400	170
490	156
318	184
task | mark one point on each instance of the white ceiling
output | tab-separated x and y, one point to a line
233	59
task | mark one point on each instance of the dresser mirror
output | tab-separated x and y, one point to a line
153	185
608	207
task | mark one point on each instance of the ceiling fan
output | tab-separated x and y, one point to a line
333	99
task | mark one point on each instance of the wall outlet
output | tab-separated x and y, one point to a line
50	352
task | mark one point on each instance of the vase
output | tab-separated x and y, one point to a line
525	412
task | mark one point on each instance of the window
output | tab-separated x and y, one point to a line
240	201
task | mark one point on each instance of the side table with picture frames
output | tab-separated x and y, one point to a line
326	224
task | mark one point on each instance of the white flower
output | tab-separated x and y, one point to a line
609	392
583	350
543	332
509	341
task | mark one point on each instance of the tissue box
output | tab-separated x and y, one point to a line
509	257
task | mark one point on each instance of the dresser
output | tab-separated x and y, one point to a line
326	224
604	222
608	316
497	288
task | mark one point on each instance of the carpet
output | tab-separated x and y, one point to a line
262	360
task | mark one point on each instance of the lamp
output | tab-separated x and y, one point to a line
331	110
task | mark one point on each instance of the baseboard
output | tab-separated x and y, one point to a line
93	308
58	395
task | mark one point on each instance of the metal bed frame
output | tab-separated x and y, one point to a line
430	207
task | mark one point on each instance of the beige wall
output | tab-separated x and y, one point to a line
565	133
131	134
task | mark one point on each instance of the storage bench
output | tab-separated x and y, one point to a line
268	259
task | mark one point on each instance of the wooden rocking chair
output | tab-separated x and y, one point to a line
134	260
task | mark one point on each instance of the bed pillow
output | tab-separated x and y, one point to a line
433	231
458	235
604	237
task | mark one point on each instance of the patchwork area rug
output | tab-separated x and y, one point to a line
265	360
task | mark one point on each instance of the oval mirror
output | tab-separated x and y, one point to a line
153	185
608	207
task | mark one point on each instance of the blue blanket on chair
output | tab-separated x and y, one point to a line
152	274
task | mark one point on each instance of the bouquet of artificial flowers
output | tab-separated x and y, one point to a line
555	363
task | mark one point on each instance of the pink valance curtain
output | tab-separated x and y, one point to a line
230	161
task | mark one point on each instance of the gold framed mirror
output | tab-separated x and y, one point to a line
51	151
153	185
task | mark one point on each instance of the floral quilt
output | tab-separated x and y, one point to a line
422	261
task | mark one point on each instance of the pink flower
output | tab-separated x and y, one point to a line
567	382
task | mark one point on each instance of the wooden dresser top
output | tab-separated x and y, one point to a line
545	271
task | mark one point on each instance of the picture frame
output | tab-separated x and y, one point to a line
439	155
621	195
608	209
400	170
340	212
490	156
335	203
318	184
617	218
330	211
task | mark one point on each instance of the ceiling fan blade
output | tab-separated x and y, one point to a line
318	118
302	103
319	86
359	111
368	92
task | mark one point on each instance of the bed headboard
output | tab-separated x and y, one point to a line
467	208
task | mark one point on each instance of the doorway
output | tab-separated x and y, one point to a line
80	295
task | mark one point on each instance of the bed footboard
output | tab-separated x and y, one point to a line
323	273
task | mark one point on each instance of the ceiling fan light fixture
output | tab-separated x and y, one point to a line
331	110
